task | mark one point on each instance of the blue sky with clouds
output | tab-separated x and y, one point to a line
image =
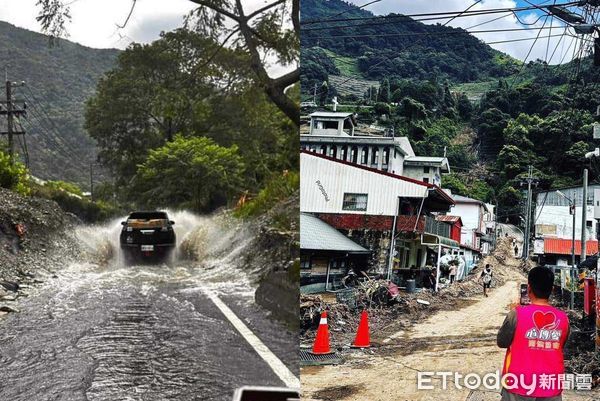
564	47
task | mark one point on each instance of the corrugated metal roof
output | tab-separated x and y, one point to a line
318	235
560	246
448	218
436	188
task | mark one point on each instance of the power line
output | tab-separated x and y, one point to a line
461	13
454	32
448	14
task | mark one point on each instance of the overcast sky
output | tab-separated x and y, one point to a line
94	22
515	49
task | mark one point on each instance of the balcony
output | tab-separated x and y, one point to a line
425	225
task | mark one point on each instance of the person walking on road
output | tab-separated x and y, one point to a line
486	278
534	336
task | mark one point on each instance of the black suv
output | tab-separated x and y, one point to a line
147	236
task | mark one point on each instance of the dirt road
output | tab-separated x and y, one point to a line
461	341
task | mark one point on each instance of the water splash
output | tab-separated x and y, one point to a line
210	249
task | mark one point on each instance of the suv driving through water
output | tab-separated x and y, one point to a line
147	236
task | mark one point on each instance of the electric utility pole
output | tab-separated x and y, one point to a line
11	111
529	181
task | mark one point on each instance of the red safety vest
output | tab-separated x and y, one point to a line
536	352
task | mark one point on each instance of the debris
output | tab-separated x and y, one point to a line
422	302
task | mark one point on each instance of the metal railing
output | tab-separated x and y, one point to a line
425	224
432	226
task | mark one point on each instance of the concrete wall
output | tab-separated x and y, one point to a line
417	172
556	221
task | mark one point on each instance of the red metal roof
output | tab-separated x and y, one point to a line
448	218
559	246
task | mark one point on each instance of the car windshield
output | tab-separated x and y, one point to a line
147	216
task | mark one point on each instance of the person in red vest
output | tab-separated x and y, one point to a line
534	336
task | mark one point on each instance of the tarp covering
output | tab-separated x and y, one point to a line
560	246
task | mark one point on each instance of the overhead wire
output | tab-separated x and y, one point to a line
448	14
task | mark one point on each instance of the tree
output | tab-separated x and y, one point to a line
261	32
464	107
157	90
323	93
192	172
385	94
168	87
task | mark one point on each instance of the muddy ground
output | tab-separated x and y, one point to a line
457	332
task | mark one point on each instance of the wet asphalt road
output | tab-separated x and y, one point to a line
136	333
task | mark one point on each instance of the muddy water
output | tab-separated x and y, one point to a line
111	332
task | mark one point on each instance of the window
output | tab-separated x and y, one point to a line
426	169
321	124
588	224
375	156
426	180
363	157
355	202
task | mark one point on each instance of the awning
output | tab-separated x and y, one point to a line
435	240
316	235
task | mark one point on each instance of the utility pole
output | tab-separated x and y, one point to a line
584	215
92	182
573	252
529	180
572	210
315	94
11	111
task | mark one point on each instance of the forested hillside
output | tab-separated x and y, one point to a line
398	45
59	80
533	114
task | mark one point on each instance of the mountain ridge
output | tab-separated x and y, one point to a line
58	81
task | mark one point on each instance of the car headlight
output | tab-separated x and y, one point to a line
129	229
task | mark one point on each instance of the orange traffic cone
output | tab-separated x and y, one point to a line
321	345
362	339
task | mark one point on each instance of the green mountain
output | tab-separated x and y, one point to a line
396	45
58	81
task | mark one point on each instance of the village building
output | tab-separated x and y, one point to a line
478	230
554	224
372	206
326	255
335	134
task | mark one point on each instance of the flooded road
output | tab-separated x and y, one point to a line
144	332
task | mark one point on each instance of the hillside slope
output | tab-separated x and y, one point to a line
59	80
395	45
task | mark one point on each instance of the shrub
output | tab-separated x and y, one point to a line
14	176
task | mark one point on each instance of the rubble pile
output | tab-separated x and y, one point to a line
36	238
387	315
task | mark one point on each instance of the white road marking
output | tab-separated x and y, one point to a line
261	349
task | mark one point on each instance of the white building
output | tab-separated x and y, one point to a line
553	224
329	185
364	203
478	222
334	134
553	218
